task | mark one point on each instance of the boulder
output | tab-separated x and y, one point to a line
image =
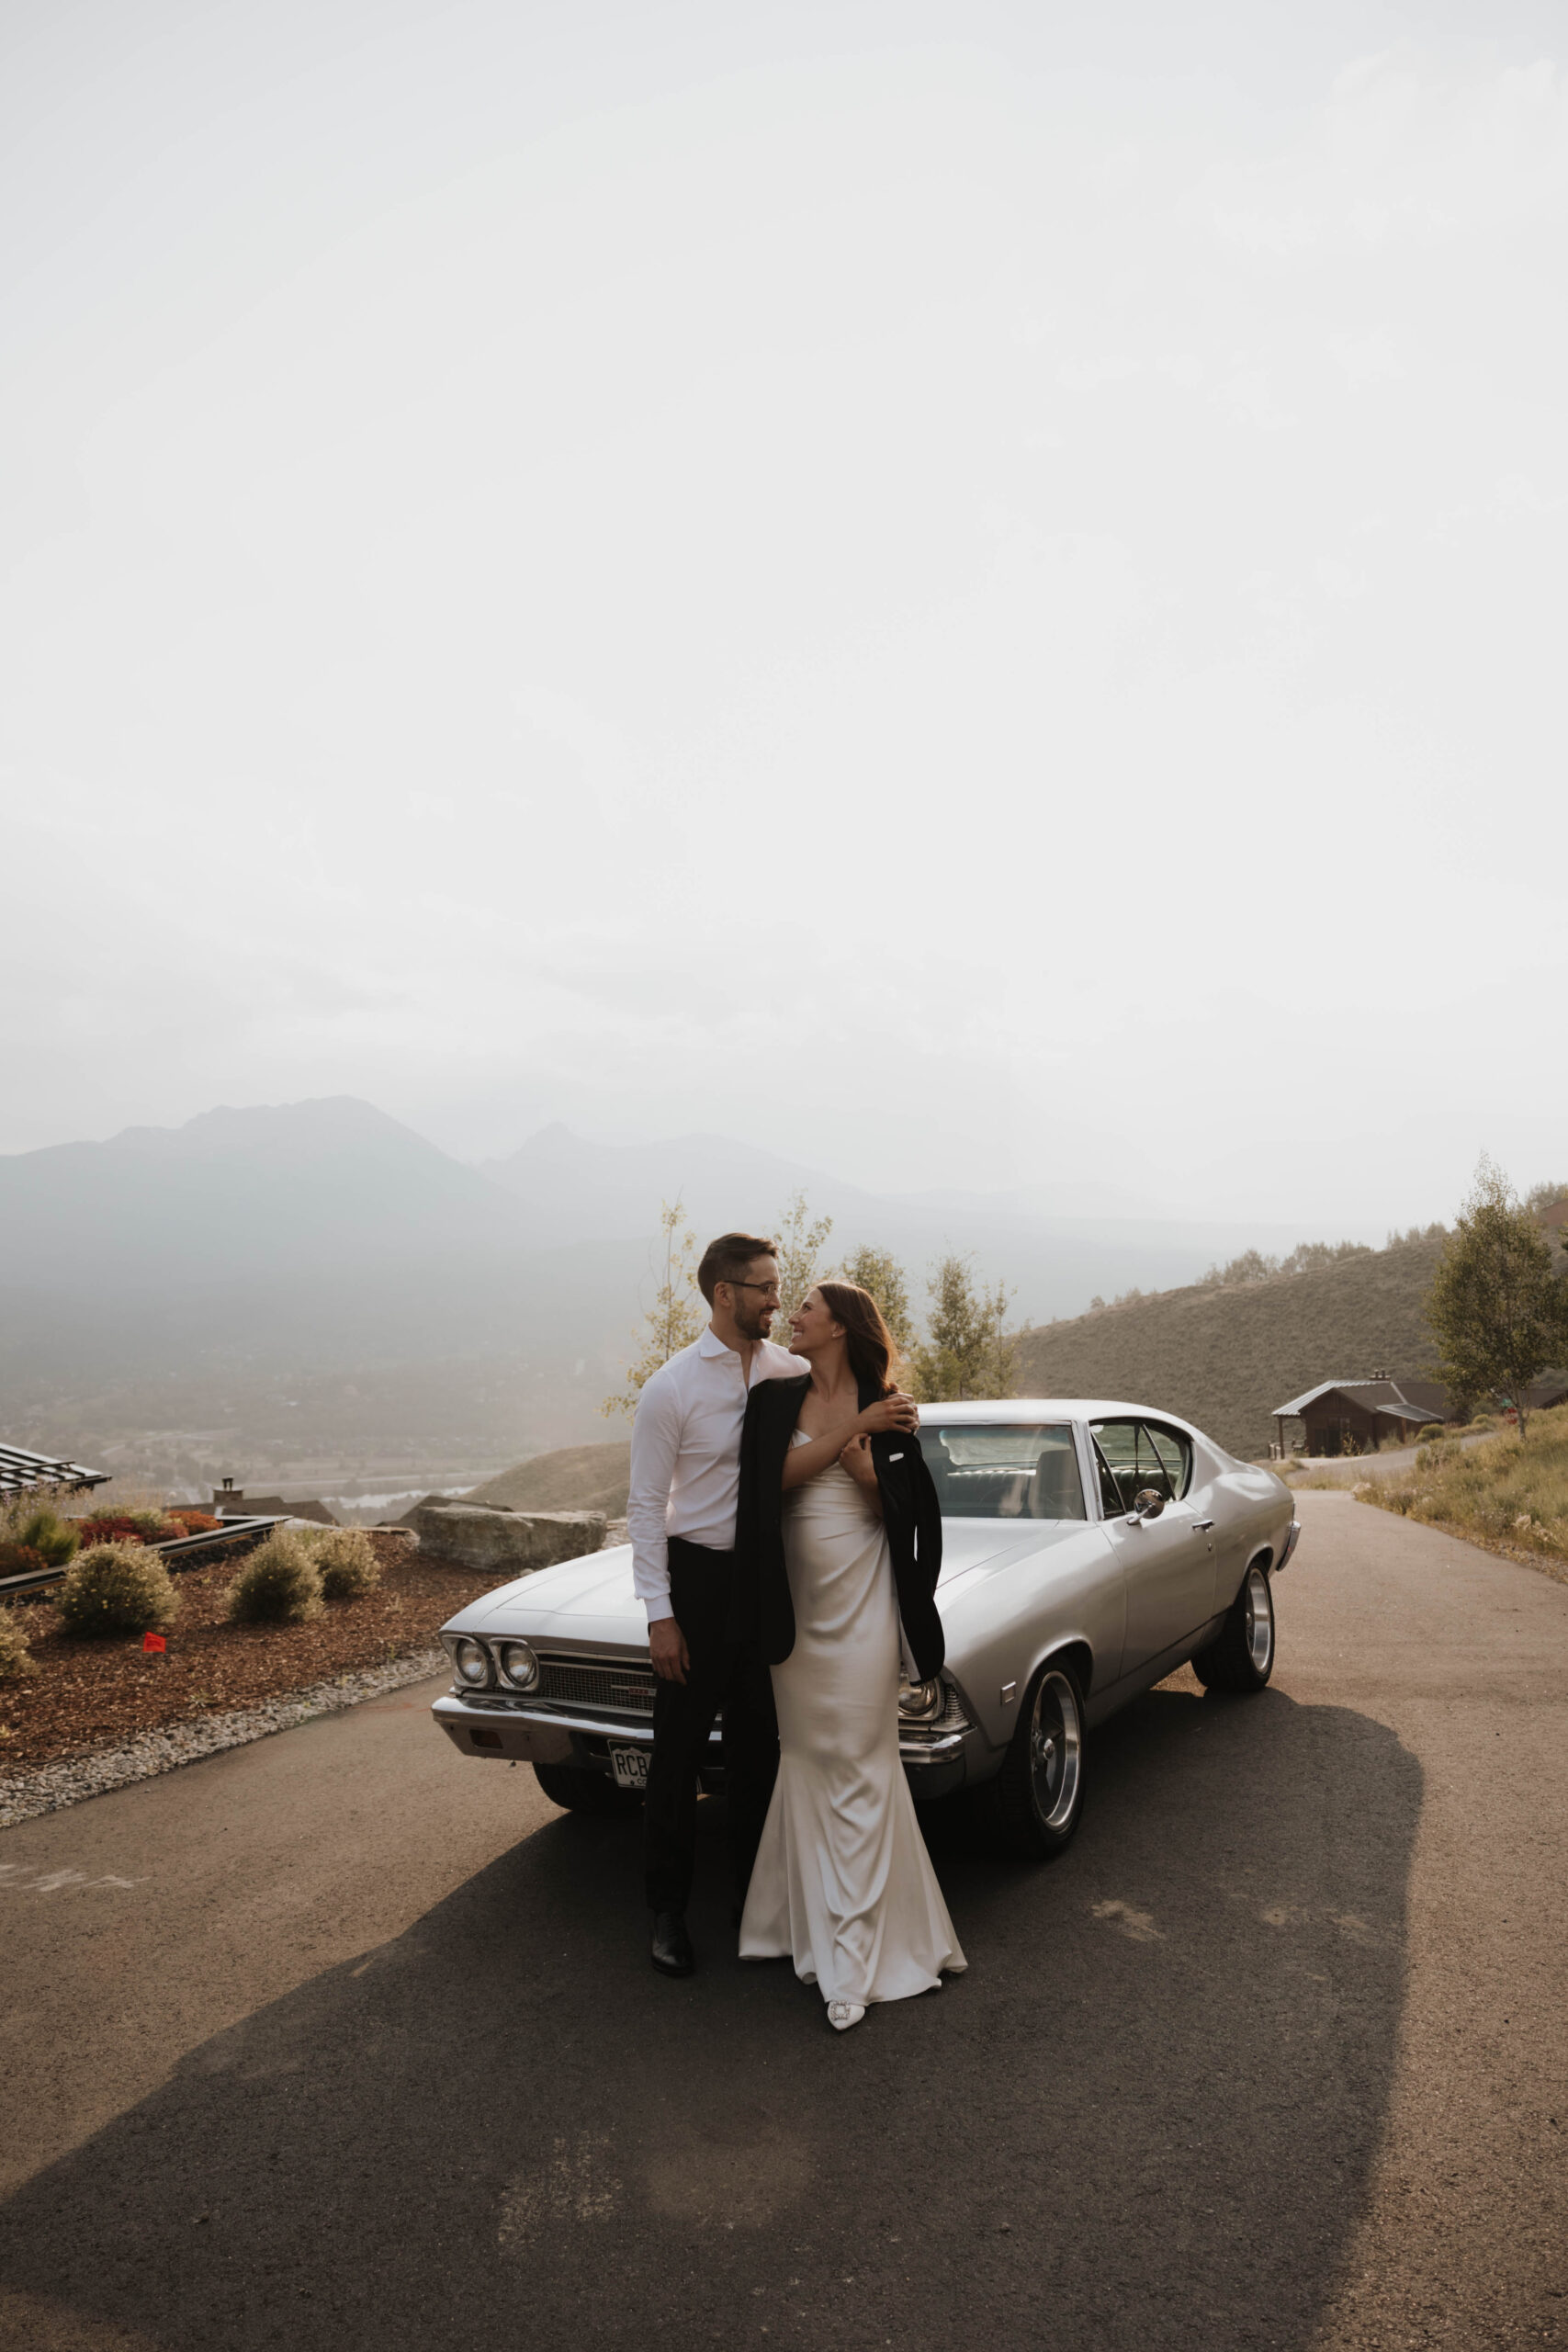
504	1544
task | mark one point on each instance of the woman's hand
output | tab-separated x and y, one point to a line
856	1459
808	1460
895	1413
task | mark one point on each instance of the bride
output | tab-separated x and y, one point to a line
839	1528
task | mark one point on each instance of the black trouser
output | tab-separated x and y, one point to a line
725	1673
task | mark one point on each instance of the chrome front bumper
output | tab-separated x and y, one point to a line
489	1724
485	1723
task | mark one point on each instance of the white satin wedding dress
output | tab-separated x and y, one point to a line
843	1884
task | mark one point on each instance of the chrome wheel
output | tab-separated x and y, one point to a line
1258	1623
1056	1750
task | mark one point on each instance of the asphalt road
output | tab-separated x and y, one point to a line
343	2041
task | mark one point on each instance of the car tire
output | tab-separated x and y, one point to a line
1036	1800
1241	1656
580	1791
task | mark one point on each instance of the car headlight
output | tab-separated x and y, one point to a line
920	1702
519	1664
471	1662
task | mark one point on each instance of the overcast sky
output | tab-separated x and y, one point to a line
973	591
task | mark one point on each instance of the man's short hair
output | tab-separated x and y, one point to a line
725	1259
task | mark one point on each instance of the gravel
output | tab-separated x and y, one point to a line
49	1788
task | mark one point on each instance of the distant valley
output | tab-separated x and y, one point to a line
314	1297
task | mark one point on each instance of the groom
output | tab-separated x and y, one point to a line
681	1514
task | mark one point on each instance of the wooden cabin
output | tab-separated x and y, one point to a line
1355	1416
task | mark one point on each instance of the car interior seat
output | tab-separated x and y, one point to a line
1055	1491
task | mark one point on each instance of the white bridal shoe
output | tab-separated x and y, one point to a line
841	2015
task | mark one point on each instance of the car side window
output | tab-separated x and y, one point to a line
1173	1453
1108	1445
1136	1462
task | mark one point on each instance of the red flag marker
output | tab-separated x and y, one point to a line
153	1642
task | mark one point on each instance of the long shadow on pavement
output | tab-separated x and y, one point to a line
1144	2119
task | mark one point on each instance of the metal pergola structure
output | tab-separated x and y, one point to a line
19	1470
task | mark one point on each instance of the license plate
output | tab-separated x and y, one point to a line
629	1766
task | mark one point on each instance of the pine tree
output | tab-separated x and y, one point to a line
1498	1309
798	1249
969	1351
878	1271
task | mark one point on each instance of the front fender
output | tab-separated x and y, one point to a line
1000	1626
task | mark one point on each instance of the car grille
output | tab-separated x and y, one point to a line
952	1718
573	1682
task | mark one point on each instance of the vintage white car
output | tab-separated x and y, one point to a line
1088	1550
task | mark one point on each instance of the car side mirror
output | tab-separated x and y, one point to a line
1147	1503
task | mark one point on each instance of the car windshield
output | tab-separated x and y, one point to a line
1004	1469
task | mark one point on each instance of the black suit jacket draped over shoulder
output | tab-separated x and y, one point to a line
909	1514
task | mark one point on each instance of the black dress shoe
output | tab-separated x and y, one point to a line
670	1952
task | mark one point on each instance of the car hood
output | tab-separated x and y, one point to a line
969	1546
600	1586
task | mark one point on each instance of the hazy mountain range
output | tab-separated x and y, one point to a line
316	1279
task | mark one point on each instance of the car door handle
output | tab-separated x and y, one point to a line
1202	1526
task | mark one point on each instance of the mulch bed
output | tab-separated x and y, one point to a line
92	1694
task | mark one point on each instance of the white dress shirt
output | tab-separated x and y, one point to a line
686	1456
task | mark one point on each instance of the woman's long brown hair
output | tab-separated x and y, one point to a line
870	1344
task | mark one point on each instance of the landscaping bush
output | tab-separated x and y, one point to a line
20	1560
52	1538
194	1522
346	1563
1432	1430
117	1588
16	1658
128	1526
277	1584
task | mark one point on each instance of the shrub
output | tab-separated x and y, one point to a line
117	1588
277	1584
115	1526
1500	1492
20	1560
107	1528
52	1538
346	1562
16	1658
194	1522
1432	1430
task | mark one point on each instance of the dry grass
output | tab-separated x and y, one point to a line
117	1495
1504	1495
15	1658
574	1477
15	1511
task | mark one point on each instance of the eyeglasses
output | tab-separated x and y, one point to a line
768	1290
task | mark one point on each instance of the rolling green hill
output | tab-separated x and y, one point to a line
574	1477
1225	1358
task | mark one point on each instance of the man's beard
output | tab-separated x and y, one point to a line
752	1322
